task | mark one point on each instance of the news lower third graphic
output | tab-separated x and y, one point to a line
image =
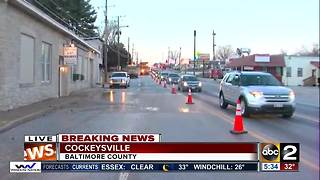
146	153
279	157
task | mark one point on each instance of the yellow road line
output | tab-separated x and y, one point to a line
261	137
306	118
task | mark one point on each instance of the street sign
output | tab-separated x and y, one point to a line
70	55
204	56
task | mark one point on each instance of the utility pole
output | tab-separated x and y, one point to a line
213	45
132	52
118	31
129	50
106	45
194	52
168	55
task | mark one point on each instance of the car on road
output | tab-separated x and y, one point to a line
258	92
119	79
187	82
163	75
172	78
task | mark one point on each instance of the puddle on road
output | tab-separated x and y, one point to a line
152	109
114	97
184	109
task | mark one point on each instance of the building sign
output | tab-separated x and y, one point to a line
262	58
184	61
70	55
204	56
248	68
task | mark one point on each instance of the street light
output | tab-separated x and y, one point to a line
194	52
118	32
213	45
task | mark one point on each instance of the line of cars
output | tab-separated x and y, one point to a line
258	92
184	81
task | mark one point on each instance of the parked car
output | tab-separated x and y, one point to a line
259	92
173	78
187	82
120	79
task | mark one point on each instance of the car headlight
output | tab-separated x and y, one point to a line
111	81
123	81
185	84
200	84
291	95
161	77
170	79
256	94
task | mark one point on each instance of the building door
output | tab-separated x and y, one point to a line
91	79
63	78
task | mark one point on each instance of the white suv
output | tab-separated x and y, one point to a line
258	92
120	79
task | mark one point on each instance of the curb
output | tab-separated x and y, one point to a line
21	120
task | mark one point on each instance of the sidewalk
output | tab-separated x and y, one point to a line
11	118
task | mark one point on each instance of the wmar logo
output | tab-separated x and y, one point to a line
25	167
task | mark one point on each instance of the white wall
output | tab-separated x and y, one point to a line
296	62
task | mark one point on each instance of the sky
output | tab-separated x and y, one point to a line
264	26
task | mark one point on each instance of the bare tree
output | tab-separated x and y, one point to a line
303	51
224	52
111	33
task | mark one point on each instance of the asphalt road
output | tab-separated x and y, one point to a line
146	107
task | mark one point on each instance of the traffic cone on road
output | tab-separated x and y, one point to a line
238	121
165	84
173	90
189	100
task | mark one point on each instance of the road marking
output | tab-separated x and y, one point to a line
123	176
262	138
306	118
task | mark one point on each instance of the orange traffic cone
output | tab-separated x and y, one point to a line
238	121
173	90
165	84
189	100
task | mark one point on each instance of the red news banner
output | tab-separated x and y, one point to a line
137	147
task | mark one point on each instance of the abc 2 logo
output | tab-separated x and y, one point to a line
282	152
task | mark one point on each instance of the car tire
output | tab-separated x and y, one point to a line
287	115
244	108
199	90
222	102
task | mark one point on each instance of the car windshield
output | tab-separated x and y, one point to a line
190	78
164	74
259	80
119	75
173	75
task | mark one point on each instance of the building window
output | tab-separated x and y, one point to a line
300	72
77	70
26	66
46	62
288	71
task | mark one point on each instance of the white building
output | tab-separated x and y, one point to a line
32	64
301	71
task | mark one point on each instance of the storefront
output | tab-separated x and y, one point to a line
273	64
